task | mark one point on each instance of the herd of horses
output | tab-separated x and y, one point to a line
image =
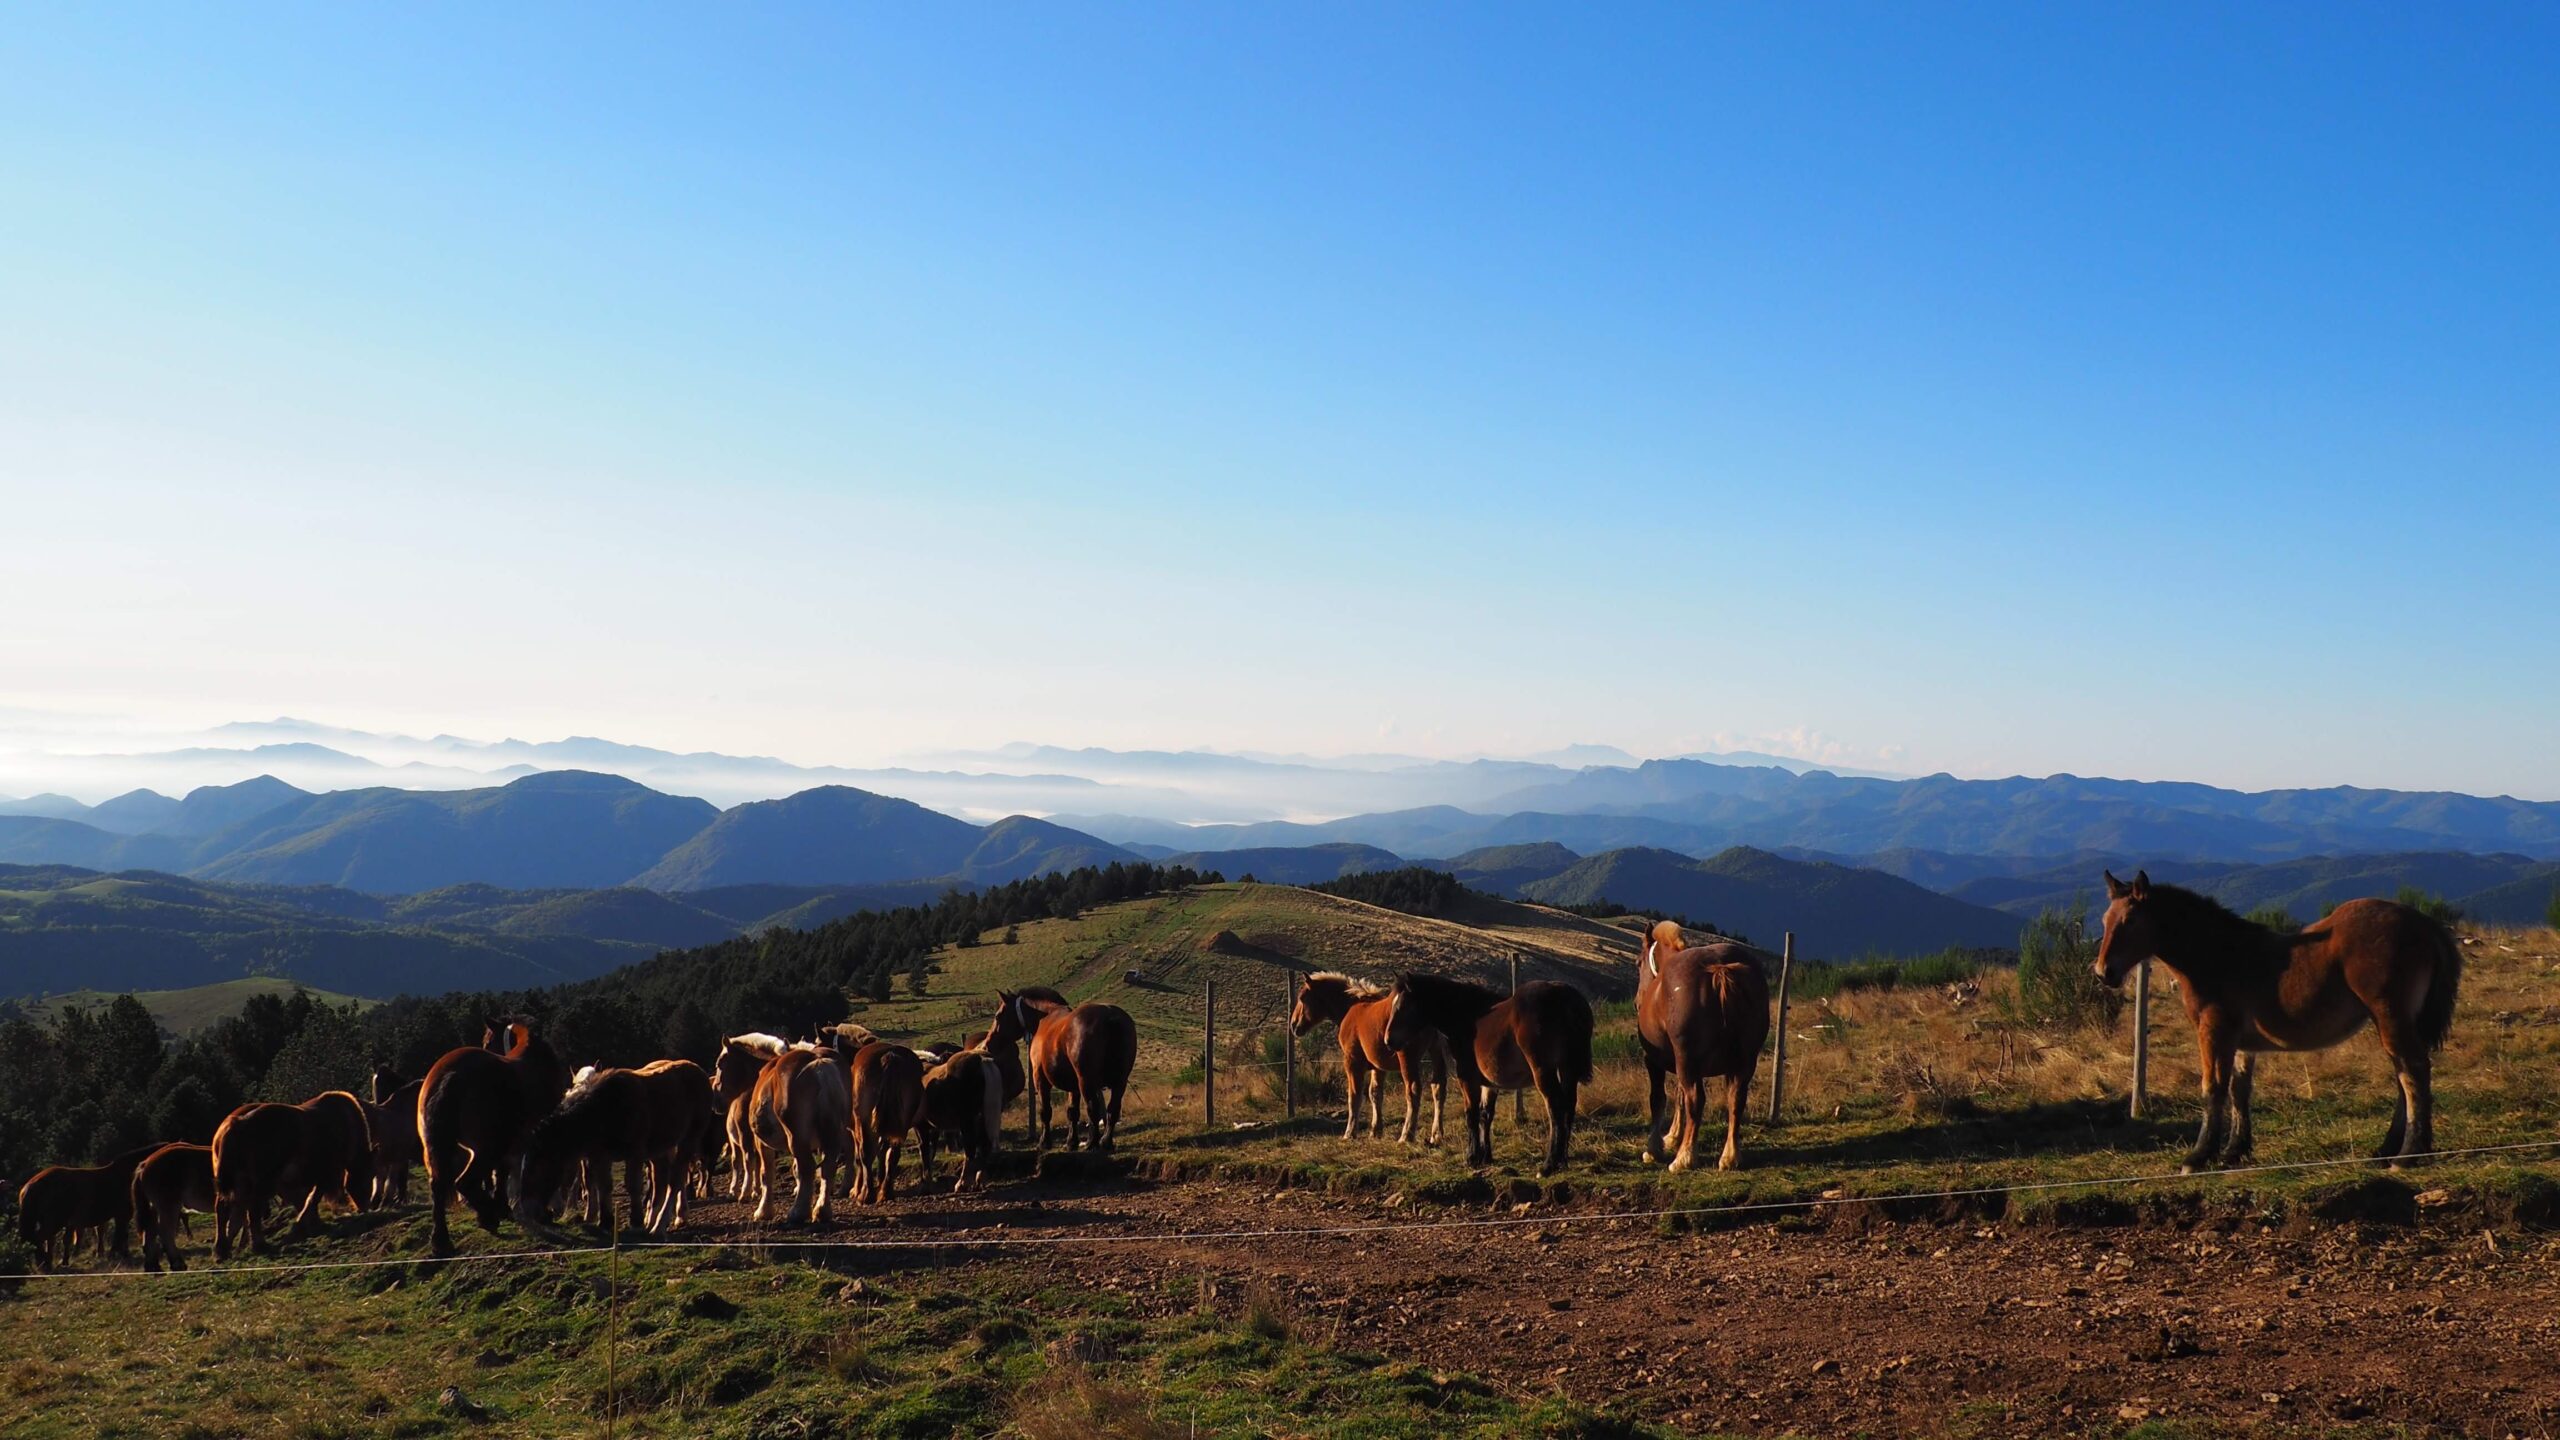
506	1129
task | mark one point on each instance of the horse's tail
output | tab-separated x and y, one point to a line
2435	1013
991	1105
1577	1038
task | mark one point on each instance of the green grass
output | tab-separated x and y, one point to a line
703	1343
184	1012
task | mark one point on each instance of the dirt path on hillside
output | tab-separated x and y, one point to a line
1891	1329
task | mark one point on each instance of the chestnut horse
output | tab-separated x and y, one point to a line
650	1119
887	1099
964	1100
1540	1035
473	1111
1086	1050
393	1113
60	1202
2249	988
733	1079
800	1108
1361	1010
319	1149
1701	1013
169	1182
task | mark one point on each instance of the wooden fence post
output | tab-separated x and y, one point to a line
2141	1037
1209	1057
1519	1098
1289	1039
1778	1070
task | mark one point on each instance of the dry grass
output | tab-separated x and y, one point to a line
1074	1403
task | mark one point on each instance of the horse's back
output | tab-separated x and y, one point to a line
887	1085
1714	1008
255	1143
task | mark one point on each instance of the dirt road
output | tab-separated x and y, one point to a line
1880	1327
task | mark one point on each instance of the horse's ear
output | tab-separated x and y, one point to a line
2116	889
2141	883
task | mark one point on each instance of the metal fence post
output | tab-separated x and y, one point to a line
1778	1070
2141	1037
1209	1057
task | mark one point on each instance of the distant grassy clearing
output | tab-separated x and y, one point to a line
184	1012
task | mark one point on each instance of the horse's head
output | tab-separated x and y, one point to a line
1012	1022
2132	928
1664	939
1404	1019
540	1172
1302	1013
386	1081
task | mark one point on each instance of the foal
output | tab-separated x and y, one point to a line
2248	988
1361	1010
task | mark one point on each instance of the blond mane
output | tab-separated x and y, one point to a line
1356	989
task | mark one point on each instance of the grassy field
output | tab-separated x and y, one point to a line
184	1012
704	1343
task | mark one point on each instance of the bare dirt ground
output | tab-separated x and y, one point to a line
1854	1326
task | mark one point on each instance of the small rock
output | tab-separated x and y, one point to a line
451	1399
1826	1367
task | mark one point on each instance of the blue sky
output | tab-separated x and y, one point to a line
2162	392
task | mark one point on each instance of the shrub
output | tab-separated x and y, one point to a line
2276	918
2057	985
2434	907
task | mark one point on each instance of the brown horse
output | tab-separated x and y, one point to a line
733	1079
2249	988
887	1099
61	1202
650	1119
1360	1009
801	1108
964	1100
473	1111
1086	1050
393	1113
319	1149
1539	1036
169	1182
1700	1013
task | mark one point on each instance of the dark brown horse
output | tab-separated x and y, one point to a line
1360	1012
801	1110
887	1100
60	1203
2249	988
393	1113
303	1154
964	1102
473	1111
1701	1013
1539	1036
169	1182
650	1119
1086	1050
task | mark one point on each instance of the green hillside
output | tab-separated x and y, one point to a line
184	1012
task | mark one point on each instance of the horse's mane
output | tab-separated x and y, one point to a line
757	1041
1441	992
2223	932
1356	989
849	1036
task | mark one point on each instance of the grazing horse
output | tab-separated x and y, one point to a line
393	1114
1701	1013
1539	1035
473	1110
2249	988
650	1119
1086	1050
169	1182
1361	1010
61	1201
887	1098
800	1108
964	1099
319	1149
733	1079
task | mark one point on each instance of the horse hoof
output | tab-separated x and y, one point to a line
1678	1163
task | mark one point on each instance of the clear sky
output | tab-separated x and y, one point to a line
2161	391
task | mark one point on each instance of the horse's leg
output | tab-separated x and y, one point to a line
2243	1086
2216	1065
1558	1092
1040	1132
1656	1141
442	1166
1737	1103
1688	1099
1439	1094
1479	1124
1411	1070
1351	1102
1119	1088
